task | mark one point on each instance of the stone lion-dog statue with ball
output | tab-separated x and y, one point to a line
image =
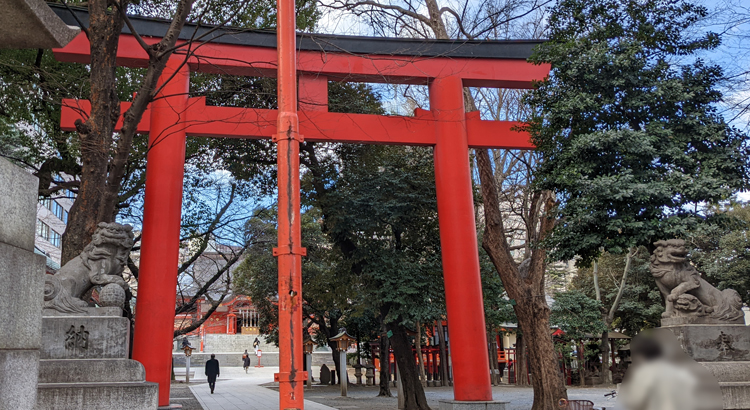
686	293
100	264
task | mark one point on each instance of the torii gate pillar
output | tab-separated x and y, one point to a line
292	374
447	127
458	240
160	243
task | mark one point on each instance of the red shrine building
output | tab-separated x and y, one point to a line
235	316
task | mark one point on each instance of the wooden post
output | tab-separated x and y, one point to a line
308	366
342	371
187	370
418	344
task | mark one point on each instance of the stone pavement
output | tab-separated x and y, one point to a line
236	390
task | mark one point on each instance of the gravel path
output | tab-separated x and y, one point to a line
365	398
180	394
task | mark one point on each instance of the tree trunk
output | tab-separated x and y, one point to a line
493	358
596	282
418	345
95	134
104	161
336	360
581	365
385	389
524	283
606	376
543	365
443	354
521	365
495	348
414	397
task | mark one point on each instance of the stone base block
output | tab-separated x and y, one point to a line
98	396
18	379
18	202
90	371
85	337
21	295
714	343
734	381
472	405
171	406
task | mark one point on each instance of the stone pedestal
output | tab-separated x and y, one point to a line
85	337
84	364
21	288
714	342
472	405
724	349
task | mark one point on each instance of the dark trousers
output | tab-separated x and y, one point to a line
212	382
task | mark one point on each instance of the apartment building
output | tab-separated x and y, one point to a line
51	221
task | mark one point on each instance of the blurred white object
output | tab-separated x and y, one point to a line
663	377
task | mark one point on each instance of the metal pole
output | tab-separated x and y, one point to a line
291	374
157	281
458	238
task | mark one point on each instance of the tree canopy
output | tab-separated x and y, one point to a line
641	305
723	253
577	315
627	126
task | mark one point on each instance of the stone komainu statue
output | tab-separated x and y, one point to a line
100	263
686	293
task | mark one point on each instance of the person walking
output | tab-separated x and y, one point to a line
246	360
212	371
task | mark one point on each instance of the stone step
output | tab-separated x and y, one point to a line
735	395
729	371
90	370
97	396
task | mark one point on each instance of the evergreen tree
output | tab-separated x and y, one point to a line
626	122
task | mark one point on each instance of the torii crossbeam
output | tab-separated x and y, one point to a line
445	66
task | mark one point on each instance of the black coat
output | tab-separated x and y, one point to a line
246	360
212	367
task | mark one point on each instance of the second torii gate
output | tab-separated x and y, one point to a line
445	66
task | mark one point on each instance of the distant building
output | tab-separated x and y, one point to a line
236	315
51	221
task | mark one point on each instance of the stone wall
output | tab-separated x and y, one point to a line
198	360
21	288
221	343
229	348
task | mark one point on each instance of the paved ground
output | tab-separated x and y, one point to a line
180	394
255	390
364	398
236	390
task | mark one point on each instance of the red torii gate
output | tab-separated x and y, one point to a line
445	66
